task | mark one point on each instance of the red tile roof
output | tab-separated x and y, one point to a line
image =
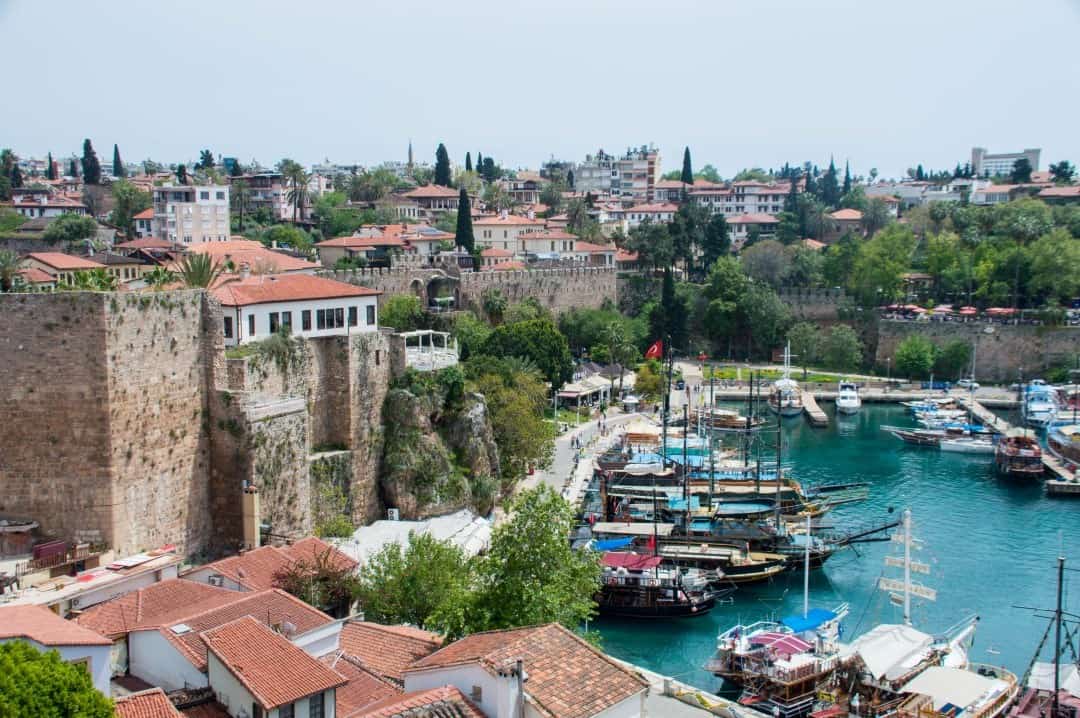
33	275
144	243
39	624
567	677
496	252
255	569
846	215
387	650
268	288
273	670
594	248
1073	191
447	700
273	607
363	688
147	213
152	703
550	234
655	208
505	266
813	244
392	235
63	262
161	604
432	191
753	219
245	251
508	220
623	256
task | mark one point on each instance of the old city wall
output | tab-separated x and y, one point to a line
1000	350
813	304
556	289
101	406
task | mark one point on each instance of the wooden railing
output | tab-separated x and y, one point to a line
80	552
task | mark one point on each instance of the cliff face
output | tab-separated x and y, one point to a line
439	454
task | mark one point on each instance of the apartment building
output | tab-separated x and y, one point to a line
632	176
990	165
741	197
191	214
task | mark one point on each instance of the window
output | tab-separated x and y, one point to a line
251	325
316	706
83	663
353	318
256	710
228	327
339	317
320	319
220	195
274	321
204	195
287	711
286	320
371	315
305	320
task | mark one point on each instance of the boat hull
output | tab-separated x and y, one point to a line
626	604
844	408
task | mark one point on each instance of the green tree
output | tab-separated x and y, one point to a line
239	196
44	685
830	187
468	162
91	280
425	583
687	168
50	168
915	357
880	264
1062	172
117	165
875	216
953	360
206	160
442	166
716	242
668	319
319	581
552	196
402	312
471	333
846	190
9	270
494	303
516	396
463	237
73	169
530	574
538	340
652	241
181	175
69	228
842	351
570	178
128	201
1055	267
765	318
158	278
293	173
767	261
806	344
1021	171
91	167
198	270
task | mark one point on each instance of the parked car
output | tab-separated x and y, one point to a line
680	384
969	384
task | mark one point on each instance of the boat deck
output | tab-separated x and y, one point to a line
813	411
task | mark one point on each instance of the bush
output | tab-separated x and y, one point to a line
402	312
915	357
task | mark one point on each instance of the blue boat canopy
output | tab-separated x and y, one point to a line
814	618
612	544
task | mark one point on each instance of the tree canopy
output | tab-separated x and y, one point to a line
46	686
538	340
442	166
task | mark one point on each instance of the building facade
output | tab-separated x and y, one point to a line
990	165
632	176
191	214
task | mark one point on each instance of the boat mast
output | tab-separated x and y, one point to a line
712	431
776	496
806	572
907	567
1057	635
686	468
666	406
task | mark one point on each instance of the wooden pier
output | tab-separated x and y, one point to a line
1064	481
813	411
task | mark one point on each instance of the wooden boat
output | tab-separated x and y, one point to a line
724	419
641	586
737	565
1018	454
966	445
1063	441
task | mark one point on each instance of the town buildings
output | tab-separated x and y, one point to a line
46	631
986	164
191	214
60	267
632	176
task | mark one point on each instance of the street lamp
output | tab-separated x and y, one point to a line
888	372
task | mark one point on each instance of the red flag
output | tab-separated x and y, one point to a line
652	544
656	351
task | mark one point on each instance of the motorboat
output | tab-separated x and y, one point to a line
847	398
1040	406
966	445
1019	454
785	398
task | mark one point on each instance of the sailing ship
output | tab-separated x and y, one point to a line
642	586
1019	454
785	398
847	398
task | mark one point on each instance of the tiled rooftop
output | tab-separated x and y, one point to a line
151	703
160	604
39	624
387	650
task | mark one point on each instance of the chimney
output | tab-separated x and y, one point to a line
503	214
245	270
250	508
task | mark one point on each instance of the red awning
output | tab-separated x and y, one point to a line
969	311
830	712
631	561
781	642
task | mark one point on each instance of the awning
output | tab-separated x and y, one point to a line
814	618
631	561
612	544
781	642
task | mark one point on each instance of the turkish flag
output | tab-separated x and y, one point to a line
655	351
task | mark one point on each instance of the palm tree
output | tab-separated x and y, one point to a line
298	179
93	280
620	350
241	194
158	278
9	270
198	270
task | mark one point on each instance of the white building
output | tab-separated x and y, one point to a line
256	307
505	231
990	165
633	216
632	176
191	214
46	631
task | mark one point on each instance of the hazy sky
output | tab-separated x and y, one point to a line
742	82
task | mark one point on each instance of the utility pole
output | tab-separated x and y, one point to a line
907	567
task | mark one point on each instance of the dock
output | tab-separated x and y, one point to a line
813	411
1064	482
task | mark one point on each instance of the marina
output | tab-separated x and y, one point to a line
977	522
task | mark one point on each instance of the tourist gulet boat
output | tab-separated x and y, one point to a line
641	586
1019	454
785	398
847	398
1063	441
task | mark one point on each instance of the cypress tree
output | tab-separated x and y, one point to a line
91	167
464	235
847	178
181	174
442	166
830	188
50	170
479	163
811	186
16	176
468	162
117	165
687	168
791	204
570	178
73	169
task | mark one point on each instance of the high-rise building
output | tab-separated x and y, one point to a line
632	176
191	214
988	165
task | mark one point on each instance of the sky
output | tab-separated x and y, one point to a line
743	83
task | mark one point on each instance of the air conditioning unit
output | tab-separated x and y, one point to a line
393	515
216	580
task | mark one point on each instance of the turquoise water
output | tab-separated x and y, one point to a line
991	543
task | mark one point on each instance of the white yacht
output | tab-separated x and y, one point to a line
847	398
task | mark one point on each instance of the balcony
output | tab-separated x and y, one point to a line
428	350
66	557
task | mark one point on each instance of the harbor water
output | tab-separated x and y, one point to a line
991	544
